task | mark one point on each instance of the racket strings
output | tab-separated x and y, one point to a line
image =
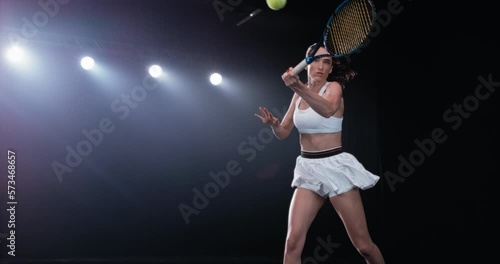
350	26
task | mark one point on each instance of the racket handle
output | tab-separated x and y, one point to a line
300	66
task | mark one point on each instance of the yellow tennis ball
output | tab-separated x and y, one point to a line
276	4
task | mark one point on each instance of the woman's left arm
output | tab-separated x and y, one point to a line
325	105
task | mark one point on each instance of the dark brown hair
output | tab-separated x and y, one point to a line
341	71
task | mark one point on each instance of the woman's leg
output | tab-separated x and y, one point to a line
304	207
349	207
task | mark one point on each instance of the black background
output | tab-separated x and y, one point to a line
123	199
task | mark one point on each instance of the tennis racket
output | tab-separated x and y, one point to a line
346	30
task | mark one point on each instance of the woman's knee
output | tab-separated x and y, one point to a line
365	248
294	242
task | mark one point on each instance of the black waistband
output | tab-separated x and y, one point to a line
321	154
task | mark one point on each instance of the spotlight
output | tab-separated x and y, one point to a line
87	63
216	79
155	71
15	54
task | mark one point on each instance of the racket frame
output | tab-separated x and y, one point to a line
322	42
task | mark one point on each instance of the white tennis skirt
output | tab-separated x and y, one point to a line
332	173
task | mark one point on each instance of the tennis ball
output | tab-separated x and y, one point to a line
276	4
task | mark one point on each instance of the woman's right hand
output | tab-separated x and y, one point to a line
267	118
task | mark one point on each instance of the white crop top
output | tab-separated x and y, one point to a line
307	121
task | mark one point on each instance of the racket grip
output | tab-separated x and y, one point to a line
300	67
